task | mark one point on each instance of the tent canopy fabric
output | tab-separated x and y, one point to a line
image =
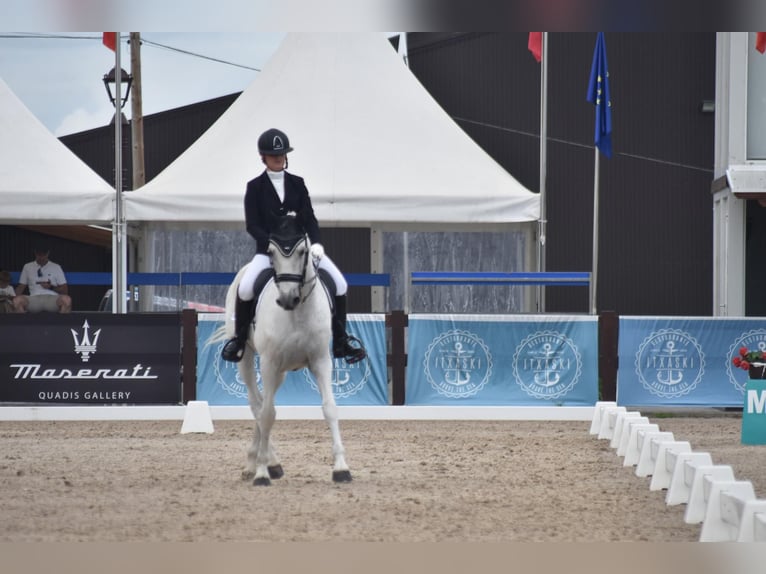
41	180
373	146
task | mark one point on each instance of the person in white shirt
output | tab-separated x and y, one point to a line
48	290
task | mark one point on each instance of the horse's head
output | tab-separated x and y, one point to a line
289	252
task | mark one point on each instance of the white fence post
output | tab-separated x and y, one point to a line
722	520
665	462
678	491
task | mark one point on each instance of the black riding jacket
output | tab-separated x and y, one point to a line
262	208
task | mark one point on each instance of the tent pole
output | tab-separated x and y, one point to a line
403	52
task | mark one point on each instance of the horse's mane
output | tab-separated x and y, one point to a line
288	232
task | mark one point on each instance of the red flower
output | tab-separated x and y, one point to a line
747	358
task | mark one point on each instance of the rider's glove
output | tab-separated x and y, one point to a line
317	251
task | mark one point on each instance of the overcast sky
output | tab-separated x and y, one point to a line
58	76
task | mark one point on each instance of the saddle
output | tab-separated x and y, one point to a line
267	275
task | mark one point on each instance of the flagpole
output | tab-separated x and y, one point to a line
599	94
594	271
542	221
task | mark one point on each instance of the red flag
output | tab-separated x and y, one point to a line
760	41
535	45
110	40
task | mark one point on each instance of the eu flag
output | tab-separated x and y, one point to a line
598	94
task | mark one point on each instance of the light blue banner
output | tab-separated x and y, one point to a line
528	360
684	361
364	383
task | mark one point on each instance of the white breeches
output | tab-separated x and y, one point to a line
261	262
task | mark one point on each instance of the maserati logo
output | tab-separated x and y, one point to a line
83	345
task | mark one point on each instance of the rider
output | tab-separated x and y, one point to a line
269	196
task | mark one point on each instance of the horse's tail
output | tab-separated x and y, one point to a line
226	331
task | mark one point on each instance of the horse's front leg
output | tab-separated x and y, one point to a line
264	456
322	370
247	374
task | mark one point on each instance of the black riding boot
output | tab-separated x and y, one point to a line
234	348
341	342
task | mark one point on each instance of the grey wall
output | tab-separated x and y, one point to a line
655	218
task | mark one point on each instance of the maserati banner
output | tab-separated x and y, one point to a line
364	383
90	358
535	360
684	361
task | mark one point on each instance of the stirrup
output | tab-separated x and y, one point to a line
233	350
352	354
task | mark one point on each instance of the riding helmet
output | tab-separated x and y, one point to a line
274	142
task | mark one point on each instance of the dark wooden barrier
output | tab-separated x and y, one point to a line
397	357
189	355
608	332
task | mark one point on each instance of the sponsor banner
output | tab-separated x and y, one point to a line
684	361
364	383
754	413
90	358
530	360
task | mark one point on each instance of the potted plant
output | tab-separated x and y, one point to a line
752	361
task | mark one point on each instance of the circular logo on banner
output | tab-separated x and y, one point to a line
754	340
346	379
228	378
457	364
547	365
670	363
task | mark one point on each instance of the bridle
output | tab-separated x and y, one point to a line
287	249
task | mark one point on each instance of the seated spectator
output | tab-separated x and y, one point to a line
48	290
6	292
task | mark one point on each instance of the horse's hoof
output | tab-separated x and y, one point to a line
262	481
341	476
276	471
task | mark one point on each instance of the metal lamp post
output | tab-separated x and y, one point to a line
110	79
119	228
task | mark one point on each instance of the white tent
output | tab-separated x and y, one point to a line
41	180
373	146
